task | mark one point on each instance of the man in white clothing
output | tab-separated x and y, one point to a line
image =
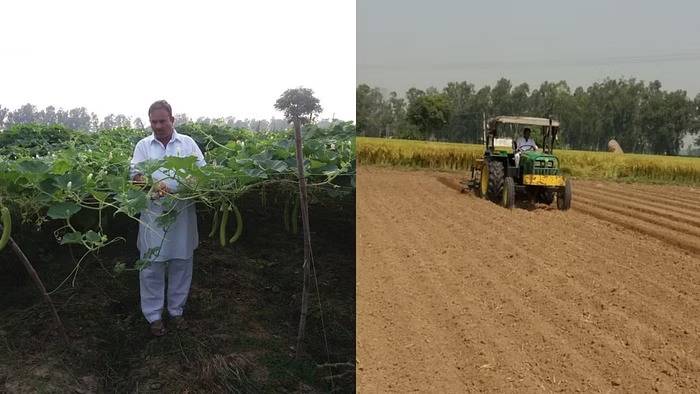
167	249
523	144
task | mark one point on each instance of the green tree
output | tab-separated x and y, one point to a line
94	122
459	95
374	115
413	94
680	116
3	115
519	97
48	115
397	112
181	119
78	119
122	121
695	124
109	122
501	101
430	113
481	108
25	114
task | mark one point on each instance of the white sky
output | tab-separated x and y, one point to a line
207	58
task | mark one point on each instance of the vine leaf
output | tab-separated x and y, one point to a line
72	238
63	210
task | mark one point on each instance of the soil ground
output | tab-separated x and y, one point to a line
457	294
243	315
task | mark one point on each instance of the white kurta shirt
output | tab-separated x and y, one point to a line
182	238
521	142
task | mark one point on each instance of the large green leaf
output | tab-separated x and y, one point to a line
272	165
92	236
283	154
74	178
167	219
328	169
48	185
99	196
33	166
61	166
285	144
63	210
178	163
292	163
132	201
316	164
115	183
255	173
72	238
264	155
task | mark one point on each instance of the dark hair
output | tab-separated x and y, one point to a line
527	129
160	104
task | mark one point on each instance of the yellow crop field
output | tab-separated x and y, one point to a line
579	164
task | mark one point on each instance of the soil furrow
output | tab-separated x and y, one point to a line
457	294
619	197
659	221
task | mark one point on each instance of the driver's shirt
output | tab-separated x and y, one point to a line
521	142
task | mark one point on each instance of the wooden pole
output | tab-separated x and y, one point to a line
307	236
40	285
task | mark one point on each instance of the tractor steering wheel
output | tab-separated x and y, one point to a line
526	148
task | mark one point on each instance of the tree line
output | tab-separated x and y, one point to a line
81	119
641	116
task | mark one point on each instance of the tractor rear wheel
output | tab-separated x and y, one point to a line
564	198
496	177
508	200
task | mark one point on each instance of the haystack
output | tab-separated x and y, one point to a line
614	147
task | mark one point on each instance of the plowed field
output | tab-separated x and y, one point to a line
455	293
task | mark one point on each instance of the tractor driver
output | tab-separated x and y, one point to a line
522	144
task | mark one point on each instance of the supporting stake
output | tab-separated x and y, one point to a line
40	285
307	237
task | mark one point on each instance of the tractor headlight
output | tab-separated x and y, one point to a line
550	164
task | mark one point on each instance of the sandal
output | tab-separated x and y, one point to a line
158	328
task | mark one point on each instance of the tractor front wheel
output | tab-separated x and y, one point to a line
564	197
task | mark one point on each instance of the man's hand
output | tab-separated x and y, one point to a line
162	189
159	190
139	179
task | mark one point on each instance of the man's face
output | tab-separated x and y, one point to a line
161	123
526	133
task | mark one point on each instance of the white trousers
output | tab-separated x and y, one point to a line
152	284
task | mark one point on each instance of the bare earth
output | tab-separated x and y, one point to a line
456	294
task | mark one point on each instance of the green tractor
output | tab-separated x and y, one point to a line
507	172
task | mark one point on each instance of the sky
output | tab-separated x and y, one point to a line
206	58
413	43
